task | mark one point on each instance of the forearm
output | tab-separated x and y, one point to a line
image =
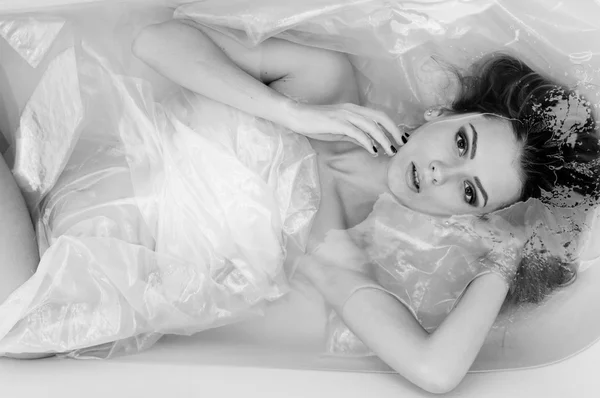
453	347
188	57
436	362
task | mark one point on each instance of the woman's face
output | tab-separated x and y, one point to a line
458	164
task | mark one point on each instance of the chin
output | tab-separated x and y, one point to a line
403	197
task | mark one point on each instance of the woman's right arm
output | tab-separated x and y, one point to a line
436	362
308	90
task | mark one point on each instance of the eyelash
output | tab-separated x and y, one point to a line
472	194
460	138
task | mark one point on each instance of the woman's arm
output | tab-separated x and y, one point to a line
219	68
275	80
436	362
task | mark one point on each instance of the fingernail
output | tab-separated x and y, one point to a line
393	149
374	149
404	140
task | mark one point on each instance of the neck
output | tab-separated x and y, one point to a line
379	174
370	173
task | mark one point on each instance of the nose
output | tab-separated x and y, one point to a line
439	173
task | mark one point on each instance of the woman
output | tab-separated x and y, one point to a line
485	153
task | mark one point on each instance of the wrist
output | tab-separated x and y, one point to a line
505	268
289	114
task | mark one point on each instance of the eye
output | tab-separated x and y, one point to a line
470	194
461	143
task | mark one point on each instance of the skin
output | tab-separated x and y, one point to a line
456	176
351	182
452	182
313	92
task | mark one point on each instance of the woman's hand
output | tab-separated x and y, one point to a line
366	127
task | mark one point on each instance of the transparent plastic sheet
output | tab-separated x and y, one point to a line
403	43
402	37
402	52
425	262
152	218
31	37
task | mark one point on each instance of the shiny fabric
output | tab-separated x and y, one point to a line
119	265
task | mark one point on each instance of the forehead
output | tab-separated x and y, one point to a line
496	163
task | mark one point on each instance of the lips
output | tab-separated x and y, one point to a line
412	178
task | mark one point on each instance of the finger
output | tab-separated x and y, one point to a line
350	139
388	135
383	119
359	136
372	128
406	136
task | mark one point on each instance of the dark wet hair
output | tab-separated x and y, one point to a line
504	86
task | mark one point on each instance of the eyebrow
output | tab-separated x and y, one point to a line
473	141
483	192
473	152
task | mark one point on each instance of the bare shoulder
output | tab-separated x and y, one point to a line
309	74
315	75
304	73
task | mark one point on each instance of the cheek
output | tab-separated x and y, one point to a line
443	201
432	145
448	196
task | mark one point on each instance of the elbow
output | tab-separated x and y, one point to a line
145	44
153	42
438	378
440	385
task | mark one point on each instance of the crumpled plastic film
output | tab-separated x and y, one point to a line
403	53
111	201
139	231
282	161
428	262
31	37
425	262
48	130
408	45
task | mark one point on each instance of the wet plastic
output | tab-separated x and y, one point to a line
402	52
135	162
149	221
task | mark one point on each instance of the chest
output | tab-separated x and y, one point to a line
347	197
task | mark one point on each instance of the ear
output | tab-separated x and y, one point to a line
433	113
